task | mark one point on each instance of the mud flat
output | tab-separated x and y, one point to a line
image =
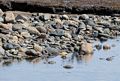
63	6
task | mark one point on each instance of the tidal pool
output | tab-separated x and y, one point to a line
86	68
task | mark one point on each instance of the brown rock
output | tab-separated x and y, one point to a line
6	26
86	48
9	17
41	29
37	47
106	47
33	30
15	39
25	34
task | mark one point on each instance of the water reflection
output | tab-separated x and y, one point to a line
71	58
8	62
33	60
75	57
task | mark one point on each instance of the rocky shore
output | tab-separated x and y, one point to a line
24	34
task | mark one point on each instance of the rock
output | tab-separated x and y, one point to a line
6	26
95	33
90	22
37	47
98	47
25	34
21	49
107	31
68	67
41	29
21	17
2	51
45	17
17	27
58	21
33	30
13	51
82	26
1	12
57	32
1	42
33	53
20	21
1	19
76	48
9	17
89	28
84	16
73	23
68	35
51	62
65	17
57	25
35	23
43	36
63	54
8	46
104	23
101	58
4	31
86	48
102	39
109	58
15	39
106	46
52	51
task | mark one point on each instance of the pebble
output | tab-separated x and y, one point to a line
25	34
37	47
65	17
109	58
41	29
32	53
106	46
33	30
9	17
6	26
98	47
21	17
84	16
67	66
17	27
57	32
63	54
8	46
51	62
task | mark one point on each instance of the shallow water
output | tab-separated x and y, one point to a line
87	68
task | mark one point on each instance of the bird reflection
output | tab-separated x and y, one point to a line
71	58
